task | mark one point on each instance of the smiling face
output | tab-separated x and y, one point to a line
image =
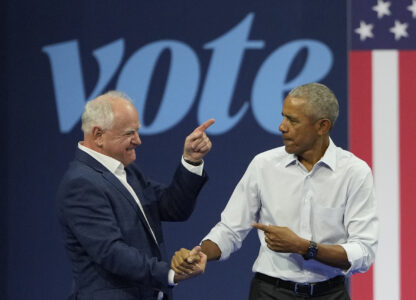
120	141
300	129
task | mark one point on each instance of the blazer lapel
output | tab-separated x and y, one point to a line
112	179
120	187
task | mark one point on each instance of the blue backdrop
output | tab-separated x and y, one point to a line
182	62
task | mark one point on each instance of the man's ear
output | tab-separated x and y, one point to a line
97	134
324	126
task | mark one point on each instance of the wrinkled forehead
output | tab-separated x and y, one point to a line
125	113
298	106
122	106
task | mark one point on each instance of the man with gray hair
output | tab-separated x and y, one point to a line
111	213
312	203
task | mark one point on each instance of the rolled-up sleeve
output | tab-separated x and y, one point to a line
361	223
238	216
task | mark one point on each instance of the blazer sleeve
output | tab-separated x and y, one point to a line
84	207
176	201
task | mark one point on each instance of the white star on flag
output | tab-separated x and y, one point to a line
412	8
399	30
365	31
382	8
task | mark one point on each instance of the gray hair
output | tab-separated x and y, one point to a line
321	98
99	111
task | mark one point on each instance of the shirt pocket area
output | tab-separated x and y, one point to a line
328	224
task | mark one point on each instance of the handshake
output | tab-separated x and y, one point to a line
188	263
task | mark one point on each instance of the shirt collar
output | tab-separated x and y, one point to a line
113	165
290	159
328	159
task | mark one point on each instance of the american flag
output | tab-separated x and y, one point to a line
382	106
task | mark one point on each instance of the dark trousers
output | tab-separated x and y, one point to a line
261	290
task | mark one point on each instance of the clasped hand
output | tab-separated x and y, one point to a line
188	263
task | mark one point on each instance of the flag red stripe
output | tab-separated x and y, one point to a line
360	140
407	91
360	120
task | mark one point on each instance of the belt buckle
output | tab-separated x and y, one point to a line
309	286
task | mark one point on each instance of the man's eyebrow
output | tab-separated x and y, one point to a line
288	116
130	130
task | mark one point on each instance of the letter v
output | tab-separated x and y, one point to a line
68	80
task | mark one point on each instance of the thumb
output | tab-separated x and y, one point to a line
194	255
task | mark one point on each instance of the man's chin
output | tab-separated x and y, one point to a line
289	149
130	159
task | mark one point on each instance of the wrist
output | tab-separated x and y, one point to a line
303	247
192	162
312	251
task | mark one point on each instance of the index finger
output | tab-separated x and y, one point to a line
195	251
193	259
259	226
205	125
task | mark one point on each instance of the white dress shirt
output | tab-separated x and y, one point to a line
332	204
117	169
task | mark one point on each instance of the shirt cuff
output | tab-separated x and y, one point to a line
216	238
355	257
171	278
193	169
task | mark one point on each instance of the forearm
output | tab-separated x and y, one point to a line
284	240
331	255
211	250
178	200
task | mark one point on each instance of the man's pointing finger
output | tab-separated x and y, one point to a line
259	226
205	125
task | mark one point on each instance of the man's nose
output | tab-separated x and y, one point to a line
136	139
282	126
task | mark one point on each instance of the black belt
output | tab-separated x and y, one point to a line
308	289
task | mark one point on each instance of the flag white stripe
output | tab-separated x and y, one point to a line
385	125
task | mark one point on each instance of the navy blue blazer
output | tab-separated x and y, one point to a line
113	254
